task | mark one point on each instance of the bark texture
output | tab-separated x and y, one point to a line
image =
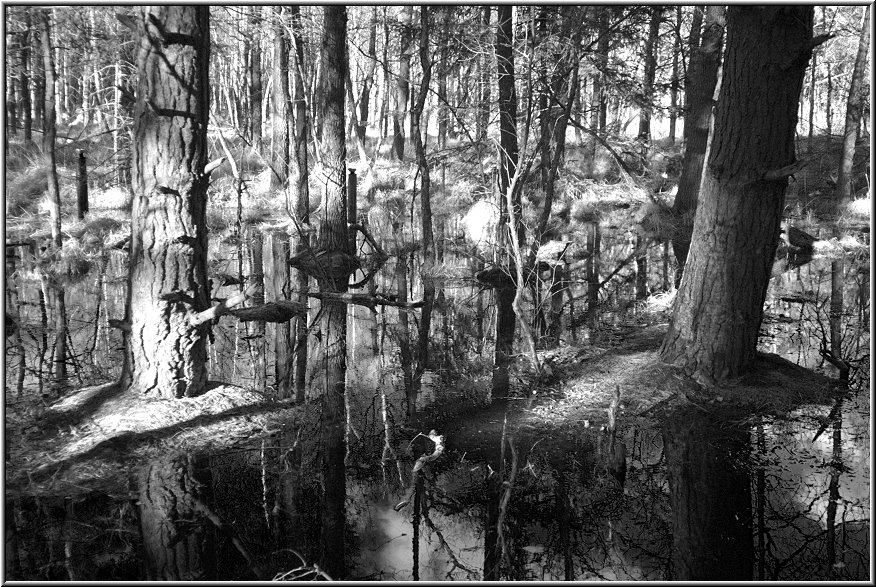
854	111
699	88
717	314
168	258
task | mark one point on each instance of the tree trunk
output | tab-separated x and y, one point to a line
717	314
168	267
333	238
854	110
299	194
425	203
485	64
255	78
49	128
281	106
648	81
82	187
402	88
257	279
673	89
26	106
368	83
699	88
505	294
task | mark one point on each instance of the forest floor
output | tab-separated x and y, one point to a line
90	439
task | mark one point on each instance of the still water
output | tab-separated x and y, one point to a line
691	496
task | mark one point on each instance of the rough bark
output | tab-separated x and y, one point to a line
24	79
333	237
168	258
854	111
699	88
673	89
715	321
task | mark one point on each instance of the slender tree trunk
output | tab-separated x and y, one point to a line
812	92
425	205
26	105
699	88
402	88
333	238
281	104
368	83
715	322
673	89
50	127
505	294
168	267
486	66
648	82
854	111
299	191
256	92
257	279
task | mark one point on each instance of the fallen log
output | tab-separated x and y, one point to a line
275	312
361	299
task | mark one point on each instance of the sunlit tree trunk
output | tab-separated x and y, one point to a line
854	111
168	257
255	77
699	88
49	127
717	313
281	106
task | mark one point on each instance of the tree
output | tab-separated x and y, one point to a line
299	192
717	314
854	111
49	126
506	291
648	80
254	71
699	88
168	252
402	88
334	242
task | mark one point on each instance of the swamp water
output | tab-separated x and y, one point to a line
511	496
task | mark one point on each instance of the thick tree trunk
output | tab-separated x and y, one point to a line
699	88
717	314
854	111
333	238
168	267
50	127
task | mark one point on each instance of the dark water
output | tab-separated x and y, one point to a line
695	496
